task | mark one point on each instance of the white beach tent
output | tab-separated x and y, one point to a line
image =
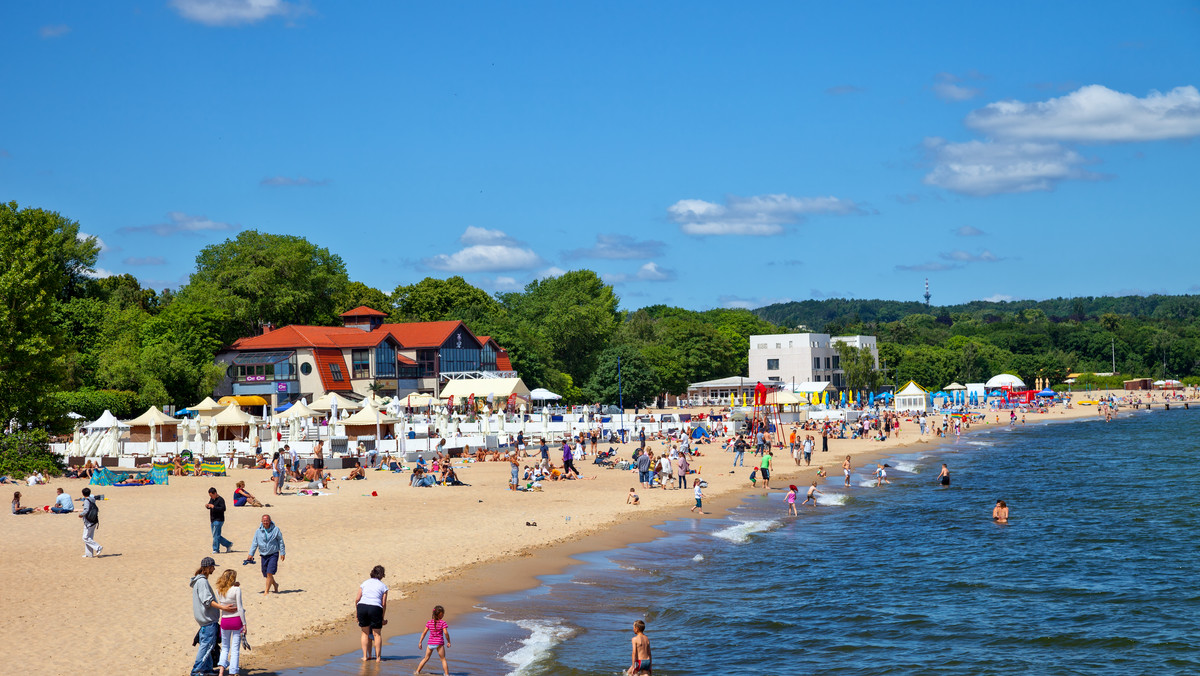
954	387
1006	380
105	421
483	387
542	394
206	408
326	402
912	397
298	410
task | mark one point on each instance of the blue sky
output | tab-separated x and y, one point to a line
697	154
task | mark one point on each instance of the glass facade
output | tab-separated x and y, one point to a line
360	363
385	361
255	367
487	358
459	359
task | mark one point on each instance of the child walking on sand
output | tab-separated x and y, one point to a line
439	639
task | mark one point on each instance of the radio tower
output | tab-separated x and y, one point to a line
926	292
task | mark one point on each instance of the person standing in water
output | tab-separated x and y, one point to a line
812	495
439	639
790	498
943	477
640	661
846	470
1000	512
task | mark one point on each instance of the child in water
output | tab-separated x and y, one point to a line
640	661
791	500
439	639
1000	512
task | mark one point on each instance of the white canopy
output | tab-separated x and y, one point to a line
813	388
953	387
784	398
325	403
153	416
542	394
417	400
911	397
105	421
233	416
482	387
298	410
1006	380
206	408
366	416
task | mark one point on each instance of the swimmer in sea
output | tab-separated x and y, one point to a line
846	470
943	477
1000	512
640	662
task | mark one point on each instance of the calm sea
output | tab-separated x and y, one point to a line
1096	573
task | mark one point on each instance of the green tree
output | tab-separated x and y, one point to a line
638	383
858	363
42	261
357	293
263	278
431	300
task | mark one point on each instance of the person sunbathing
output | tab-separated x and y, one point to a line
357	473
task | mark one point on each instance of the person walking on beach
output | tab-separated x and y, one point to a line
640	660
206	609
825	438
765	469
812	495
808	450
846	470
371	607
280	462
683	470
943	477
699	492
90	513
268	542
790	498
216	519
739	451
643	465
439	639
233	622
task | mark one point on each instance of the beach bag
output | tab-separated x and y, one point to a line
92	513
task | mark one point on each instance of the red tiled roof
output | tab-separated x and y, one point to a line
408	335
325	357
363	311
503	363
422	334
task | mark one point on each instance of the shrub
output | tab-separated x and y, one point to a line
28	451
91	404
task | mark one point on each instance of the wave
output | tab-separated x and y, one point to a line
869	483
832	499
740	532
906	466
698	557
543	636
980	443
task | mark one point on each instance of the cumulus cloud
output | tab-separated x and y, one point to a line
83	236
234	12
987	168
960	256
53	31
145	260
759	215
1094	114
932	266
968	231
950	87
997	298
500	283
179	222
841	90
619	247
486	251
299	181
749	303
552	271
99	273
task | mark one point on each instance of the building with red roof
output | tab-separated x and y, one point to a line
307	361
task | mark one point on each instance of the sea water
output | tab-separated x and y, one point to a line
1095	573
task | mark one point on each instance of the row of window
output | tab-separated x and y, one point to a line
830	363
452	359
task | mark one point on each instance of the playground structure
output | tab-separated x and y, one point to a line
764	417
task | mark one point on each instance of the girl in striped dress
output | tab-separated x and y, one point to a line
439	639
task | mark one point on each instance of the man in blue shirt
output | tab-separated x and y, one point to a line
268	542
63	503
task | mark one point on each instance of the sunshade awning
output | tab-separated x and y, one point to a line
482	387
246	358
243	400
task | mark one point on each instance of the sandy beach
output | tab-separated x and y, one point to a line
131	607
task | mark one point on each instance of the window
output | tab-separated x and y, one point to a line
837	362
816	363
306	368
761	346
772	364
827	362
427	363
774	378
360	363
336	371
778	345
487	358
459	359
789	343
385	361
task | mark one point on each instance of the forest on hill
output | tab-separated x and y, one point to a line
1142	336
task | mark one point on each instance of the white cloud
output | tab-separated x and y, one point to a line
759	215
997	298
552	271
179	222
968	231
960	256
947	88
501	283
233	12
474	235
987	168
83	236
299	181
749	303
1094	114
619	247
651	272
486	251
932	266
53	31
99	273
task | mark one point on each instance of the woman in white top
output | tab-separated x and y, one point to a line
371	606
233	622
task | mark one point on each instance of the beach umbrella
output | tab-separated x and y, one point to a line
872	404
545	424
114	441
152	447
487	420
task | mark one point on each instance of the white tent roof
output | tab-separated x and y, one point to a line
417	400
911	389
153	416
482	387
812	388
207	407
324	403
233	416
541	394
105	421
954	386
1005	380
366	416
298	410
784	398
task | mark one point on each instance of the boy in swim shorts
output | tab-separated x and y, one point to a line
640	662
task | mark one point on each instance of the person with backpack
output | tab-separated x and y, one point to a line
90	513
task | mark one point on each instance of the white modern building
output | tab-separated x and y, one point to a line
803	357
